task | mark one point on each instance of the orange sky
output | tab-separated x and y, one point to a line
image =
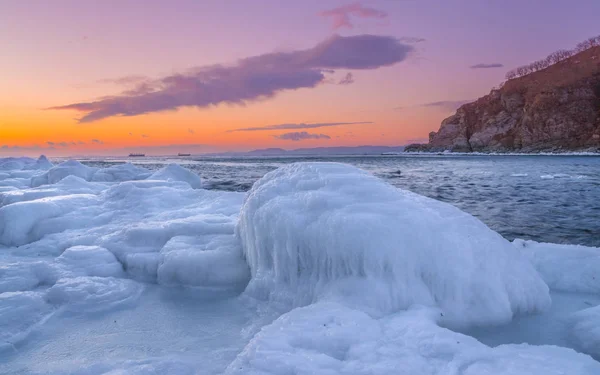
64	53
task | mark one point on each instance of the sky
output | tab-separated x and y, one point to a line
162	77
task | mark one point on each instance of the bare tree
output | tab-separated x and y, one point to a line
511	74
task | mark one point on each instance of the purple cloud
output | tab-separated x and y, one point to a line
97	141
348	79
340	16
486	66
299	136
298	126
191	131
250	79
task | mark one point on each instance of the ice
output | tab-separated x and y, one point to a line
210	261
329	338
90	261
121	172
321	268
585	331
328	231
89	293
67	168
174	172
20	312
569	268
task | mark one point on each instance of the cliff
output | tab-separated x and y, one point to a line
555	109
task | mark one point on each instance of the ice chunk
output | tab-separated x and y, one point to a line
22	275
174	172
121	172
42	164
328	338
93	293
210	261
20	312
67	168
19	221
90	261
570	268
329	231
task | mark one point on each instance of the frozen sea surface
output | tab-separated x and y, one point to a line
268	266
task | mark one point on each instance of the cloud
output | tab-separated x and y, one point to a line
348	79
191	131
299	136
444	104
486	66
145	136
298	126
126	80
340	16
250	79
97	141
59	144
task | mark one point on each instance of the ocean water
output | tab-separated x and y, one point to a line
543	198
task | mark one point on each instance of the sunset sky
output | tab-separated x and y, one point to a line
161	77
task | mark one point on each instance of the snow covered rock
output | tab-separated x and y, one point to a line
329	231
570	268
174	172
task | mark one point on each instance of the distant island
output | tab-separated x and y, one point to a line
551	105
318	151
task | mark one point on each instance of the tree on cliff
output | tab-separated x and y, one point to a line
553	58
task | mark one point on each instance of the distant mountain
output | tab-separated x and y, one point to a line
555	109
318	151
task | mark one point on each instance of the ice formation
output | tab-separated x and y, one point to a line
326	270
315	231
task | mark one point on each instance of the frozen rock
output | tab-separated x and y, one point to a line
329	231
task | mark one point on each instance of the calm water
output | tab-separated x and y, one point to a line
543	198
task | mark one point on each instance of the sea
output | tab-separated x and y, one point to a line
545	198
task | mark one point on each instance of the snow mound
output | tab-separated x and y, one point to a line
42	163
67	168
20	312
174	172
570	268
93	293
328	338
329	231
585	331
121	172
23	275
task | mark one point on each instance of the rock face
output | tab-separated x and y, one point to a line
555	109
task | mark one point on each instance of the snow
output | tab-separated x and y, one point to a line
329	231
320	268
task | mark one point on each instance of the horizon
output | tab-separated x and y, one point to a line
186	77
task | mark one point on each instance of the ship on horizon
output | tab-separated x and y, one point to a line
182	154
134	155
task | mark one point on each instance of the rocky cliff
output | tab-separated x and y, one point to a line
555	109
